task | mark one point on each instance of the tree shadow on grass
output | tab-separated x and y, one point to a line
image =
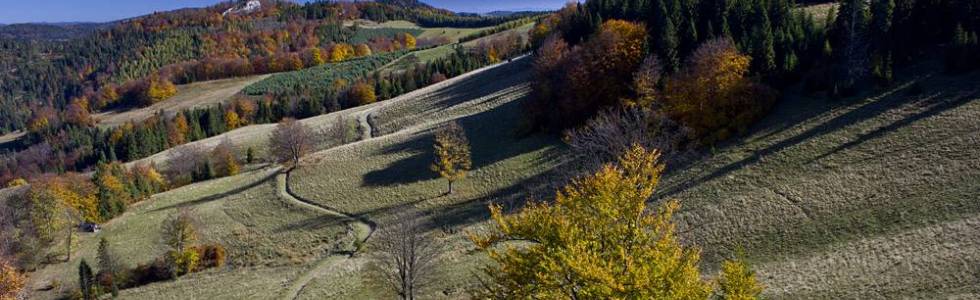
933	106
492	135
218	196
886	101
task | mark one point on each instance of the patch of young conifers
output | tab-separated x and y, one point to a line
179	235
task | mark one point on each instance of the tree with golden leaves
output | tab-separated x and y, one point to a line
595	241
363	93
232	120
362	50
159	89
408	40
452	154
712	95
737	281
341	52
12	282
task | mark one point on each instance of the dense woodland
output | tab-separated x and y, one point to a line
134	61
716	66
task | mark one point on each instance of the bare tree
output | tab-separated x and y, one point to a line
184	161
179	230
406	256
607	135
290	141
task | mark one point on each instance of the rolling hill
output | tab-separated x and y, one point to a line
868	197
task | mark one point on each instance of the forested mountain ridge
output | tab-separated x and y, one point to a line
54	88
115	64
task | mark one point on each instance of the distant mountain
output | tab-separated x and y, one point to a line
509	13
48	31
405	3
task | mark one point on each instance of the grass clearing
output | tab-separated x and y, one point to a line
194	95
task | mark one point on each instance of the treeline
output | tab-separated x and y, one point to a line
704	63
383	11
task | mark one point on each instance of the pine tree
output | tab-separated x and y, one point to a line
109	264
667	42
86	281
882	12
851	34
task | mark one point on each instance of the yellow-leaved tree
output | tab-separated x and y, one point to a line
737	281
712	94
11	281
452	150
596	241
159	89
341	52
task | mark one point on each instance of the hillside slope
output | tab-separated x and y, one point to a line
289	243
872	197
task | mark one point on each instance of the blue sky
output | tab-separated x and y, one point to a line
22	11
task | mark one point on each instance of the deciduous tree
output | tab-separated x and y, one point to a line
290	141
12	282
595	241
452	154
406	256
737	281
363	93
179	230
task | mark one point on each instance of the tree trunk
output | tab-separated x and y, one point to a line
68	245
450	188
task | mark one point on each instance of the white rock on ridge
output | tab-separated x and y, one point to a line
251	6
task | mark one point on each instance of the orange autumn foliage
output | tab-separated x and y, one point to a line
712	95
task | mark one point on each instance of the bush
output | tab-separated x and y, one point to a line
185	262
213	256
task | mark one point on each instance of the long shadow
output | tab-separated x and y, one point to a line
476	210
492	136
359	217
467	89
888	101
218	196
934	108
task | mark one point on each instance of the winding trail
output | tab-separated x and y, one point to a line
363	229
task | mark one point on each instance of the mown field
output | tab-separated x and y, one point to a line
453	34
194	95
